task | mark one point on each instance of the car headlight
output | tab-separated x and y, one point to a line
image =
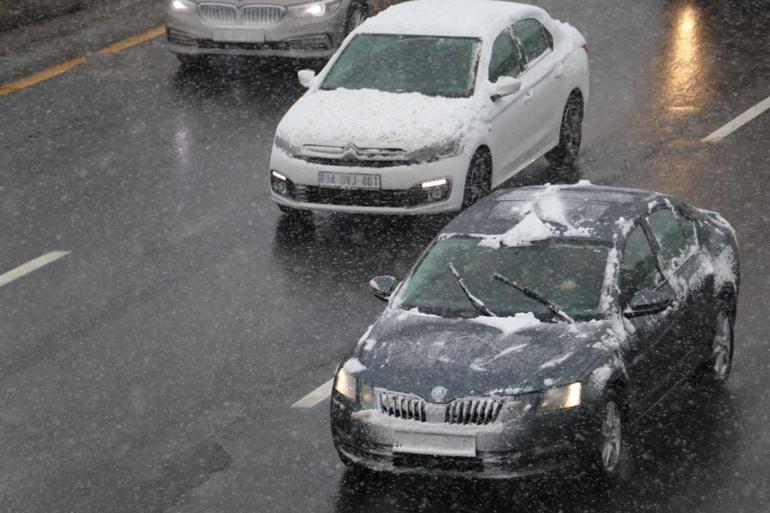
314	9
348	385
436	152
345	383
561	398
286	146
182	5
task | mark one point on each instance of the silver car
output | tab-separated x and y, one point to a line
272	28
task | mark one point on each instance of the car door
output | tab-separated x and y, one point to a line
647	360
675	237
540	83
511	133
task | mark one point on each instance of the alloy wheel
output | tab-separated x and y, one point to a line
722	348
572	133
611	439
477	185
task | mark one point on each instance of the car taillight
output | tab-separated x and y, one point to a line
585	47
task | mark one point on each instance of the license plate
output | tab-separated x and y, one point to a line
232	35
349	181
433	444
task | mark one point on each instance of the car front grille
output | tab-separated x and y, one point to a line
360	198
352	156
478	411
403	406
262	14
255	15
221	14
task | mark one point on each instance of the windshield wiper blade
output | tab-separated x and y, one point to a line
476	302
536	296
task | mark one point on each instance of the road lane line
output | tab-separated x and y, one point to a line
41	76
738	122
133	41
316	396
31	266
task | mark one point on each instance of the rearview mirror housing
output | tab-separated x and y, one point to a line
383	287
506	86
648	302
306	77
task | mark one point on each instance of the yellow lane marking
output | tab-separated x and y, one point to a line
36	78
64	67
133	41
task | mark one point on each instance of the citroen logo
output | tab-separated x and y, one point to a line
439	394
350	151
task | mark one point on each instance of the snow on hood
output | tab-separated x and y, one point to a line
416	352
375	119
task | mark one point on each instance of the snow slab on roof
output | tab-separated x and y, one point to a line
460	18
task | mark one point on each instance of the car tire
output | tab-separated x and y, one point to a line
357	14
294	212
716	371
611	458
478	181
566	152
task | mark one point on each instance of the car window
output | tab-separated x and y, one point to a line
568	273
533	36
639	269
675	235
505	58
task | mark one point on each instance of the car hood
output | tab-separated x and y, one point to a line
413	353
375	119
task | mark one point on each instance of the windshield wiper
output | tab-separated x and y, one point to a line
536	296
476	302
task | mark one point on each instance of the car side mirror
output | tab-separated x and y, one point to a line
383	287
306	77
505	86
648	302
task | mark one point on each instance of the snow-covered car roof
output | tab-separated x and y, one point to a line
462	18
512	216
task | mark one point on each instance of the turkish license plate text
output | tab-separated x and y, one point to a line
434	444
349	181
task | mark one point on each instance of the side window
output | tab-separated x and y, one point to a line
505	58
675	235
639	270
533	36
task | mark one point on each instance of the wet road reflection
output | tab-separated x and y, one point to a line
685	74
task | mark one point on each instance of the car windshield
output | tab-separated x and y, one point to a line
569	274
434	66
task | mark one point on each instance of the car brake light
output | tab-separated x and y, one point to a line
584	47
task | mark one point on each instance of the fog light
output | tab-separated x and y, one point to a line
438	189
278	183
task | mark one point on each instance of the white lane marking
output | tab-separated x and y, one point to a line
316	396
738	122
31	266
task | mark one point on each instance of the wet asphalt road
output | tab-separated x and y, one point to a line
152	369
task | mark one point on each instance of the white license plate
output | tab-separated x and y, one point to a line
434	444
349	181
233	35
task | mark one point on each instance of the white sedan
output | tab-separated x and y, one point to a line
428	106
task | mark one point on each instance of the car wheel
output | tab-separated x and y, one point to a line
479	178
611	454
570	134
357	14
717	369
294	212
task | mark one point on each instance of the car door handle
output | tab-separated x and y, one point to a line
529	95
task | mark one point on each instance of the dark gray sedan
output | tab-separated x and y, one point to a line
535	331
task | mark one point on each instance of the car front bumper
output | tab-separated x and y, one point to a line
534	444
291	37
400	194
